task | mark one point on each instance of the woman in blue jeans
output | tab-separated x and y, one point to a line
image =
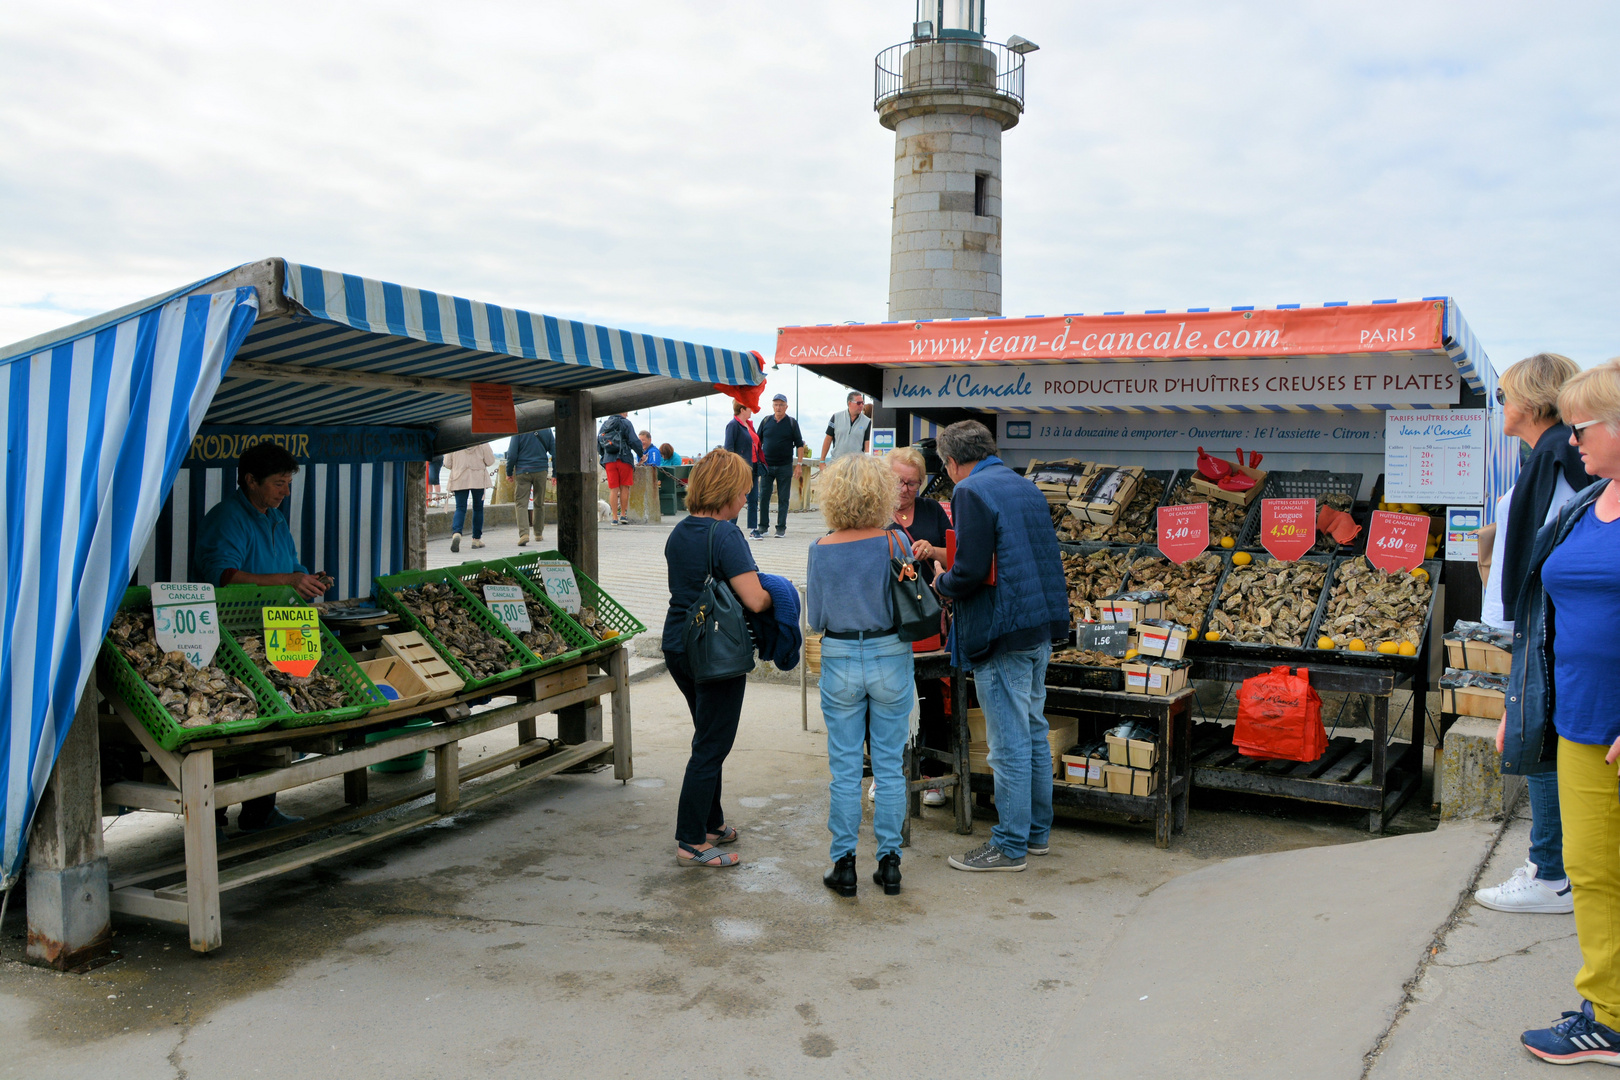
866	674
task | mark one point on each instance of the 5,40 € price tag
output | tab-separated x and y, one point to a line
506	602
292	639
560	585
1396	541
1183	531
1287	527
184	619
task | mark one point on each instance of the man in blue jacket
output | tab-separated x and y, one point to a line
528	459
1011	602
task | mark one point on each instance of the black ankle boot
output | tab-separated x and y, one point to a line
841	878
887	874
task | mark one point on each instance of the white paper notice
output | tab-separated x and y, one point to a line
1435	457
184	619
560	585
506	602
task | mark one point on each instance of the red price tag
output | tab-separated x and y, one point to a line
1287	527
1396	541
1183	531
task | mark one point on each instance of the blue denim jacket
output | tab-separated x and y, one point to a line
1530	744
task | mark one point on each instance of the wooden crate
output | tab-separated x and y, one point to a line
1237	498
425	661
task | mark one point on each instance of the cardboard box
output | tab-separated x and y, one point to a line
1075	769
1169	642
1456	656
1106	511
1143	782
1118	752
1483	656
1136	681
1096	772
1118	779
1121	609
1238	498
1062	734
425	662
1473	701
1167	679
1143	753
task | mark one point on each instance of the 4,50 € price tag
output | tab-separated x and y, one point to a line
1287	527
292	639
506	603
560	584
1396	541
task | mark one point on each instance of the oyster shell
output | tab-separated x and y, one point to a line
1225	519
1269	602
312	693
1134	525
1086	657
542	638
439	607
1376	607
1189	588
196	697
1092	577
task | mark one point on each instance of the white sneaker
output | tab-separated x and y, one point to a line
523	538
934	796
477	543
1526	892
871	792
455	541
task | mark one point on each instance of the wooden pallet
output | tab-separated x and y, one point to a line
1343	776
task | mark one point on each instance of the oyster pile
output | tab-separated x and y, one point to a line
197	697
1134	524
1092	577
1268	602
441	610
542	638
590	620
1376	607
1225	519
1189	587
1086	657
312	693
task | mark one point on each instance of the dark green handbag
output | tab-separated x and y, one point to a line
916	608
718	644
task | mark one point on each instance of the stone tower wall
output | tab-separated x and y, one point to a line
945	260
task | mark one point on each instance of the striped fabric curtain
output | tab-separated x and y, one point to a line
96	429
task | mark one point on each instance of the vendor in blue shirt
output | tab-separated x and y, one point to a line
245	539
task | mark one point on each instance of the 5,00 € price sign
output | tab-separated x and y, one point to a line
184	619
1396	541
1183	531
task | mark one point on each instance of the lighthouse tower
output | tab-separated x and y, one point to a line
948	94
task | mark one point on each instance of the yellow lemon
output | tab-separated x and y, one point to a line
1420	573
1388	648
1408	649
1212	635
1242	558
1357	645
1228	542
1130	654
1412	508
1324	642
610	634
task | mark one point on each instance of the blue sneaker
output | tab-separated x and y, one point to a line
277	819
1575	1038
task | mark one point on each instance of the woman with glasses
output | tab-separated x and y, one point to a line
1551	476
1560	707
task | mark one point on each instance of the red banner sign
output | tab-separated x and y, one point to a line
1396	541
1415	326
1287	527
493	411
1183	531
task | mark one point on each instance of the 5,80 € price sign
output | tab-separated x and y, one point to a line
1287	527
506	602
1183	531
1396	541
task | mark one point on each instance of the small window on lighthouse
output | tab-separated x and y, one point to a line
981	195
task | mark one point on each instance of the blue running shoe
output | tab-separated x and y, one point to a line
1575	1038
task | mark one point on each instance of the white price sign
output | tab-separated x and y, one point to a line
184	619
506	601
1435	457
558	579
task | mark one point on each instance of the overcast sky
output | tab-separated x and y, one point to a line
714	170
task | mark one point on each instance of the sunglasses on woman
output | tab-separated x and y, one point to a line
1579	429
1501	398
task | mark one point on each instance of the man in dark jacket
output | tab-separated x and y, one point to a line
1011	602
619	447
779	438
528	459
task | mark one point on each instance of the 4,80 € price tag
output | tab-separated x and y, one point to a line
1396	541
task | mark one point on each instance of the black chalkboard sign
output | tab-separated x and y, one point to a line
1108	638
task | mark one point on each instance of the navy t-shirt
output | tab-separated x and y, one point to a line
1583	582
687	553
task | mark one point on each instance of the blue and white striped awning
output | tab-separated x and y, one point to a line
96	429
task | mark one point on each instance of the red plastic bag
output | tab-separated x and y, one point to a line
1280	716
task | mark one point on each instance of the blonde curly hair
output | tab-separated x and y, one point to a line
858	491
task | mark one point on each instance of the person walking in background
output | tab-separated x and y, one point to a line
1528	395
849	431
619	447
469	476
528	460
742	440
650	454
866	680
1010	602
779	441
719	486
1560	707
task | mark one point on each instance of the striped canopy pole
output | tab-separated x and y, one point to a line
96	428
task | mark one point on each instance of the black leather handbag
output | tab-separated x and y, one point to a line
916	608
718	644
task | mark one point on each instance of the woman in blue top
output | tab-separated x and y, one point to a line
1565	658
866	671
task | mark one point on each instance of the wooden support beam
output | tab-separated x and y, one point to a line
166	760
202	851
446	777
416	515
578	469
619	668
347	377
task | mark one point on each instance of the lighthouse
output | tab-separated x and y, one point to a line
948	94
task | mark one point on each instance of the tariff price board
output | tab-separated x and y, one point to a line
1111	639
292	639
1396	541
184	619
557	578
1287	527
506	602
1183	531
1435	457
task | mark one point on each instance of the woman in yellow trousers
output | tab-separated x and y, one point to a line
1565	657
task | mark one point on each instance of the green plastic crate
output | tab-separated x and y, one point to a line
609	612
572	632
526	660
239	614
138	695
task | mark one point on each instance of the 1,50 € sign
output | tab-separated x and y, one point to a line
292	639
